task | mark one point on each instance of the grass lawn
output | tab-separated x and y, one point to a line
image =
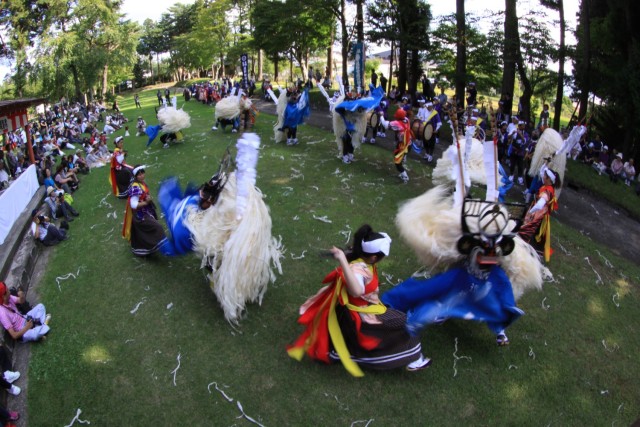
572	359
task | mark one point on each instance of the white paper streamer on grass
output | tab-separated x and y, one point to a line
612	349
531	353
77	418
323	219
95	225
215	384
389	278
67	276
113	214
315	188
247	417
594	208
545	306
175	371
298	257
512	367
104	201
615	299
606	261
456	358
362	421
138	305
599	280
342	406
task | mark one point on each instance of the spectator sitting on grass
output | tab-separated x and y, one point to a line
628	172
58	206
615	171
47	233
603	162
31	327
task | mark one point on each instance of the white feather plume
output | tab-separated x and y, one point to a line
280	108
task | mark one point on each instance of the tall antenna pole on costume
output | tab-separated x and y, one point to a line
453	122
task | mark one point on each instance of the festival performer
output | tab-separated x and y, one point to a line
228	113
432	118
296	111
141	126
478	289
120	176
228	225
538	219
345	320
402	127
141	227
172	122
350	120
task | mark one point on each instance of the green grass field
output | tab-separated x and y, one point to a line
571	362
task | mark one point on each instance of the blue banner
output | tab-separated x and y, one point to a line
358	66
244	63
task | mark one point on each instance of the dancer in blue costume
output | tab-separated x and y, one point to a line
176	206
478	289
296	112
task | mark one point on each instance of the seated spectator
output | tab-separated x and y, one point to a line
628	172
8	417
615	171
8	375
47	233
58	206
603	162
4	176
31	327
65	180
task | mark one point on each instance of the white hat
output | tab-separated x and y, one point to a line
606	147
520	122
429	104
118	139
421	101
619	155
50	190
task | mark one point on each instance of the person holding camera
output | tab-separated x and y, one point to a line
30	327
58	206
46	232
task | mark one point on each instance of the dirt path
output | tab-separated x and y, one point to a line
606	224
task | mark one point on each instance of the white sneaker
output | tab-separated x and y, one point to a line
346	160
350	157
404	177
364	140
234	130
520	180
382	135
214	128
428	157
437	140
295	141
165	146
372	141
11	376
511	178
419	364
14	390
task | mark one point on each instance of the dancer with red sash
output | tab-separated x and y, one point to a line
120	175
538	219
345	321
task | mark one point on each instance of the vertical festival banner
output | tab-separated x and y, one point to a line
244	63
358	66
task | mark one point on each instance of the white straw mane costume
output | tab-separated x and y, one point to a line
234	237
227	108
173	120
281	106
359	119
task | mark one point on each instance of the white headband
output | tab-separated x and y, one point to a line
429	104
382	244
138	169
550	174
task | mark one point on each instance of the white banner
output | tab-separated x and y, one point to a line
15	199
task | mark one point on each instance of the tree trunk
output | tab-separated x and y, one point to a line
345	43
527	93
329	70
402	68
561	56
76	80
461	52
510	55
260	64
275	70
105	75
585	67
359	21
414	71
221	69
391	57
